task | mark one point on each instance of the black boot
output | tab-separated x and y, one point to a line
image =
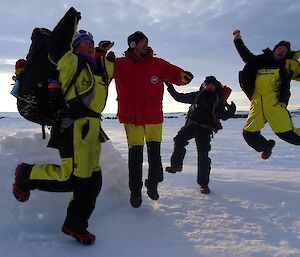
136	200
155	172
135	166
81	207
152	190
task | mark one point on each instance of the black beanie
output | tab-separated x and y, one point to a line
134	38
212	79
287	44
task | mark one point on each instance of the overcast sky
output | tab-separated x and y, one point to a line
193	34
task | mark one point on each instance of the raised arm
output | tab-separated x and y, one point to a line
62	35
243	51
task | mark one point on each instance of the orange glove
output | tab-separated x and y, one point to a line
225	93
19	66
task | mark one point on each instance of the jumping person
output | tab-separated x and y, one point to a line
266	81
77	136
139	80
208	106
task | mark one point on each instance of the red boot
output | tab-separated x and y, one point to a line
84	237
267	153
19	192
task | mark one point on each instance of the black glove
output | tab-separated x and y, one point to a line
105	45
231	108
111	56
78	16
186	77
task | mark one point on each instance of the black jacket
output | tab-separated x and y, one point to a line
253	62
206	108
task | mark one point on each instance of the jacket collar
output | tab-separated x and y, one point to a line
131	55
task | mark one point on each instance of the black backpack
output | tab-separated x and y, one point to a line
247	78
34	102
40	98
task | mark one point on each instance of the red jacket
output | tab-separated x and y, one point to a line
140	87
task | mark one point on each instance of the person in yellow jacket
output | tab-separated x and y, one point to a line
77	137
266	81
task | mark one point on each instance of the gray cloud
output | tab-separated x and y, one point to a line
194	34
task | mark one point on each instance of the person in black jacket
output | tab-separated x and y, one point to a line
208	106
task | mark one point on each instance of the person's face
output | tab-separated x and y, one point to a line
210	87
85	47
280	53
142	47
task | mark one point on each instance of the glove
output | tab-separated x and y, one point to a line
225	92
17	74
231	108
186	77
105	45
236	34
111	56
78	15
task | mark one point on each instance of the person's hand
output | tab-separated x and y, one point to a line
78	16
236	34
105	45
170	86
231	108
226	91
111	56
186	77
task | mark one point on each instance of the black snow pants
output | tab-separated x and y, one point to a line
202	137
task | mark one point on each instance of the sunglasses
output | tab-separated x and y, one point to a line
84	32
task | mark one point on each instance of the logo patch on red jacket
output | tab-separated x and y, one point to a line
154	80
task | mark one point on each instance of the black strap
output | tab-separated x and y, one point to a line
80	66
78	108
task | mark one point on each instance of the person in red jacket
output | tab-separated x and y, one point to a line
139	78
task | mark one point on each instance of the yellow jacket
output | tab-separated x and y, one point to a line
92	88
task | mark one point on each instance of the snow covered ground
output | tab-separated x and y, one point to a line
253	208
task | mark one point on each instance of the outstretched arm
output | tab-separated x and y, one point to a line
180	97
174	74
243	51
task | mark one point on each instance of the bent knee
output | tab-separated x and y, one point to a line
290	136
